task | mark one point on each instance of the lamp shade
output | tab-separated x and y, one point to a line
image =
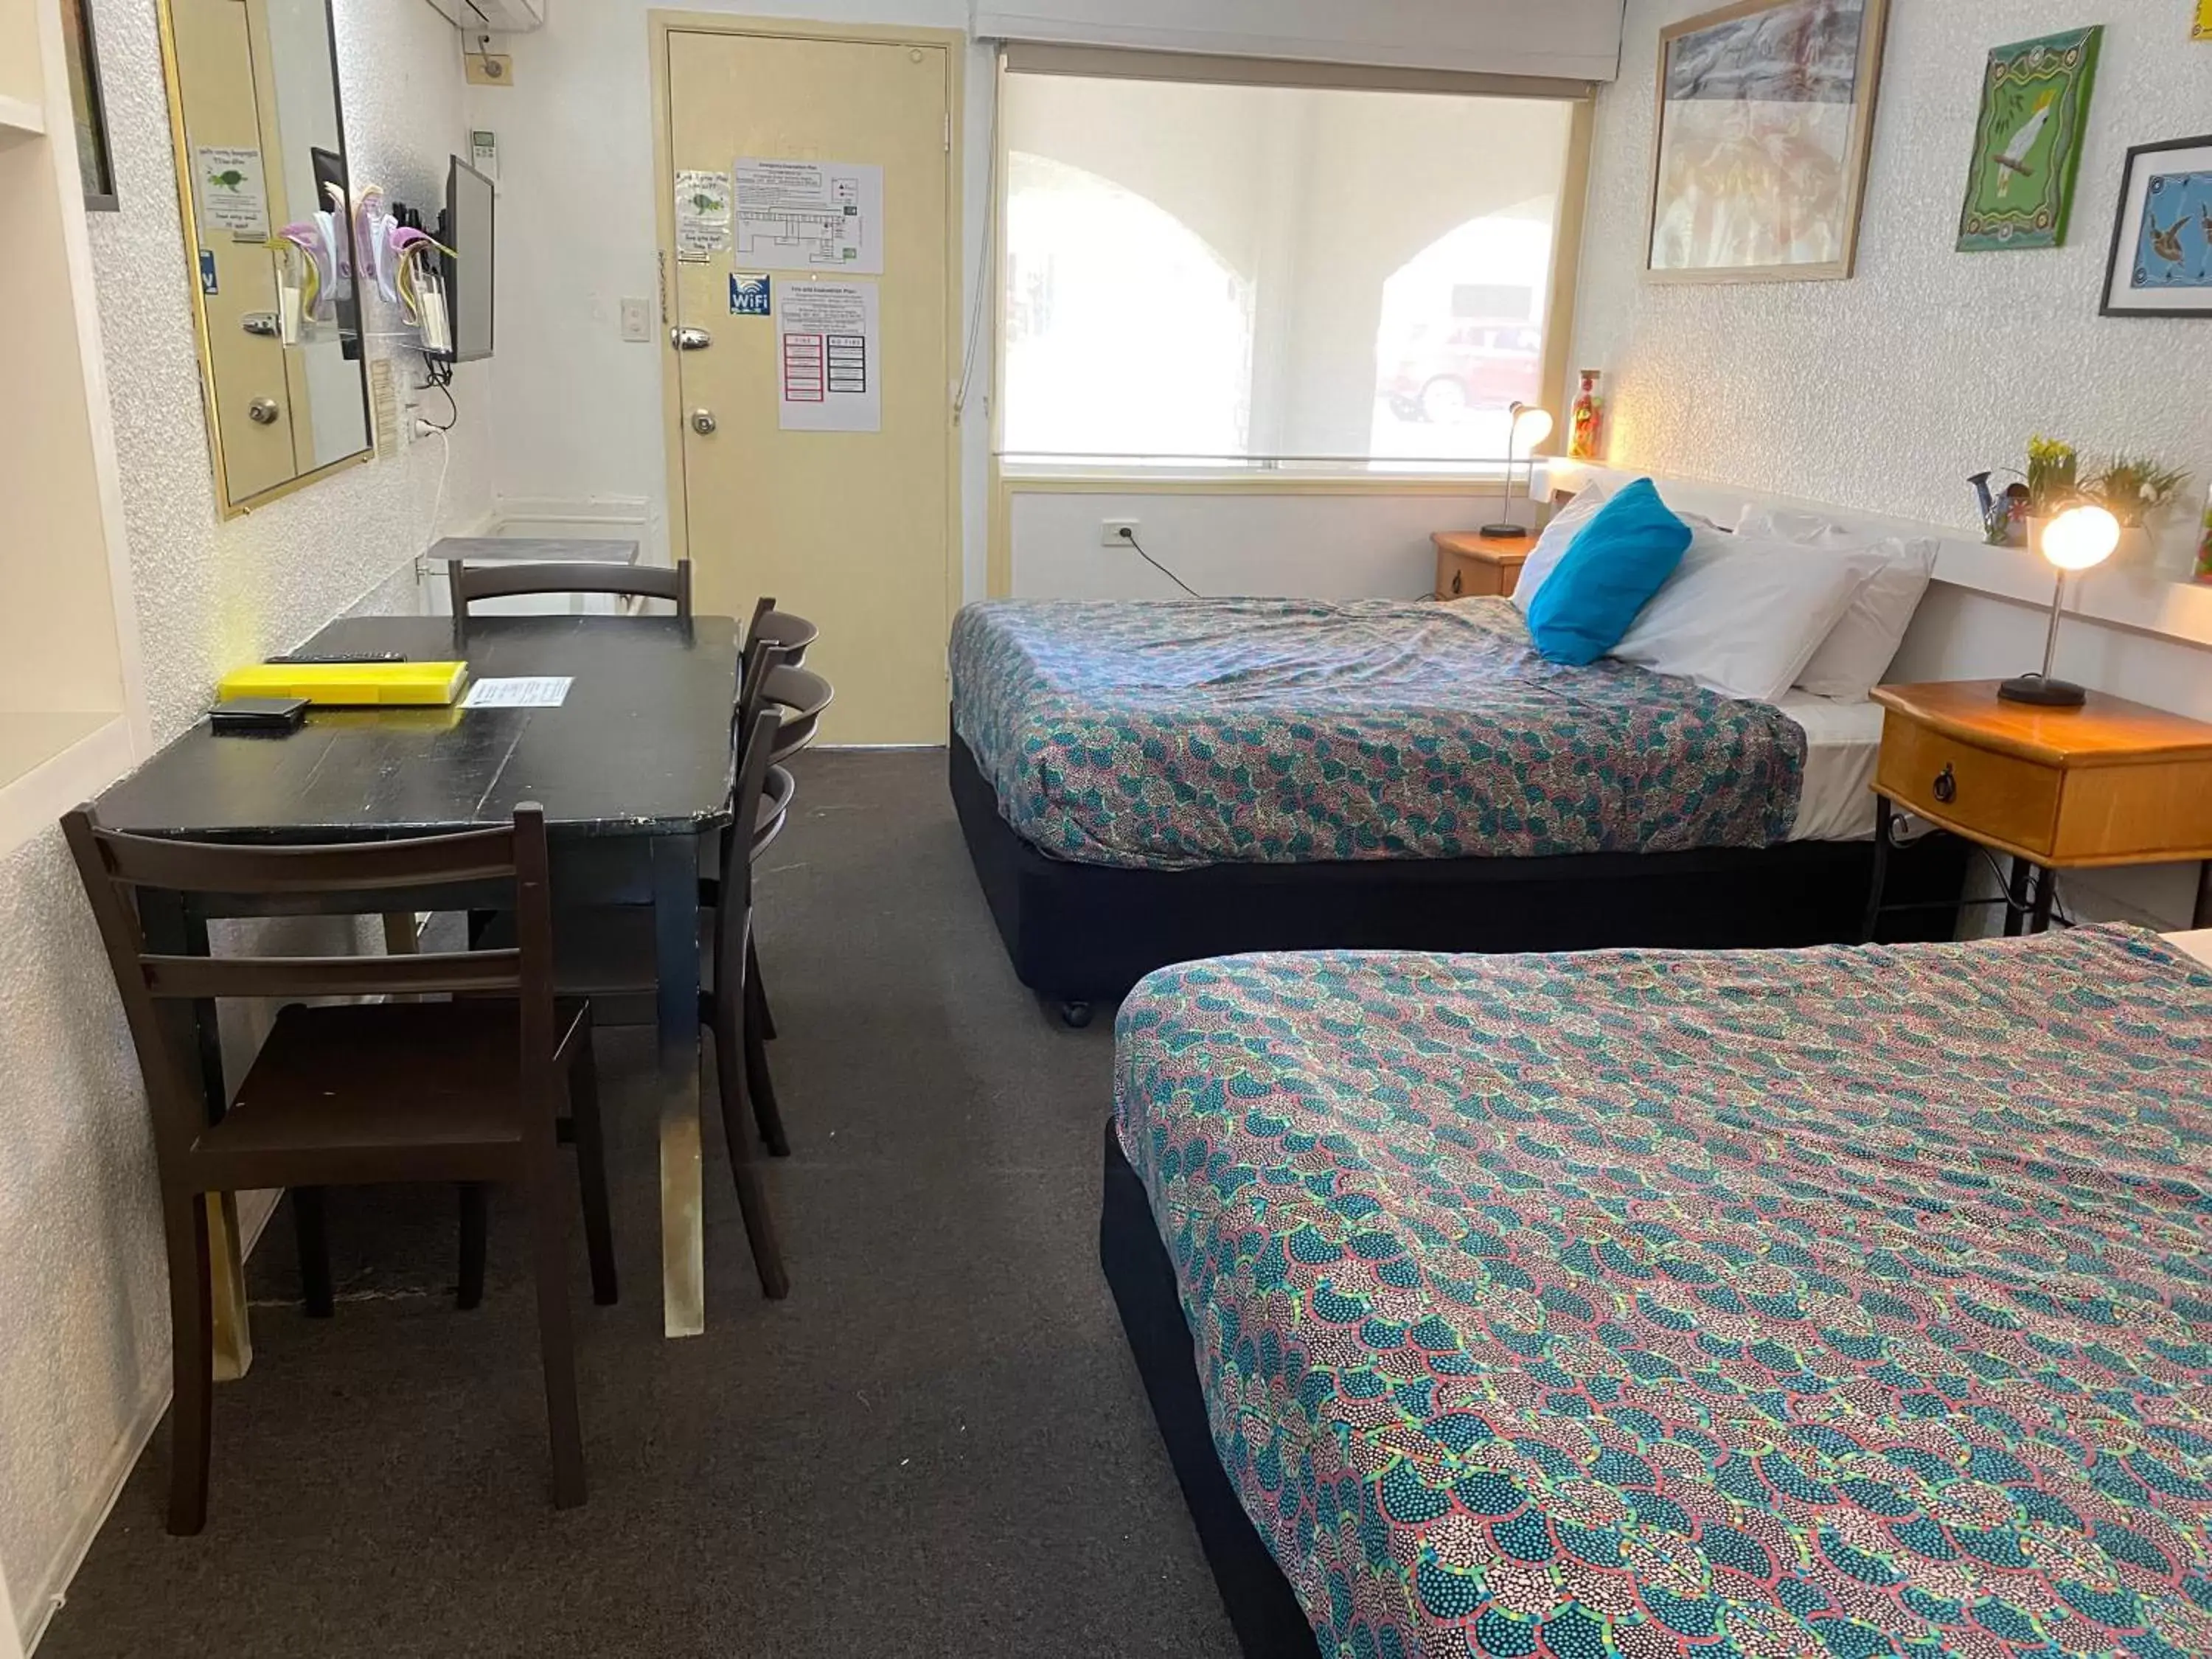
1531	425
2080	537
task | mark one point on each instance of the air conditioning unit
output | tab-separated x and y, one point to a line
493	17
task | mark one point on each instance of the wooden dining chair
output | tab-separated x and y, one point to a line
605	953
360	1093
470	583
797	696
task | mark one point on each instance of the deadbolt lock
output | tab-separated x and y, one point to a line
262	411
703	422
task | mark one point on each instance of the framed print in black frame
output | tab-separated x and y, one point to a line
2161	259
94	159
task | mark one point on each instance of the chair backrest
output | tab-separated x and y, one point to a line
734	910
789	634
502	581
799	695
122	873
761	607
762	658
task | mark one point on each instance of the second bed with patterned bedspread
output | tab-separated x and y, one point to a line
1825	1303
1287	731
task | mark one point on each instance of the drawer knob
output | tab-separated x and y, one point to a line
1459	580
1946	785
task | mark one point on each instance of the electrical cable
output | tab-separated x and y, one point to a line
438	499
442	380
1130	537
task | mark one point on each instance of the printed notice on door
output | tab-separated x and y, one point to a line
232	194
830	350
822	217
702	215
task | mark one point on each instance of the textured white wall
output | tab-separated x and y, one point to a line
84	1358
1885	391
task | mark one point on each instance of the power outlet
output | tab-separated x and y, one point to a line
1118	532
637	320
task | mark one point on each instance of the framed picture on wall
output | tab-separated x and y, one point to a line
93	159
2028	142
1766	112
2161	259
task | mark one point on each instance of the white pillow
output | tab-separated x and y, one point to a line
1852	659
1558	536
1742	616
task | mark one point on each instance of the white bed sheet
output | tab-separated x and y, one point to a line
1842	741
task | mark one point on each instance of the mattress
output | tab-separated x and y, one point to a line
1167	736
1843	743
1823	1302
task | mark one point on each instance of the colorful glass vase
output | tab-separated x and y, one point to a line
1586	434
2203	571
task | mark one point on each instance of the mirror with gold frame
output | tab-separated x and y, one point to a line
262	181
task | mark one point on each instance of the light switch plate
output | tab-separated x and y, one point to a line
637	318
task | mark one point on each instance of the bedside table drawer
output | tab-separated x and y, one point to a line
1987	794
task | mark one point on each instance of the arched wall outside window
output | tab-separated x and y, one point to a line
1198	270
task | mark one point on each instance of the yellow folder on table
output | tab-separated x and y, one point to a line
350	684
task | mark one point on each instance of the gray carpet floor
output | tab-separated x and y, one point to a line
939	1445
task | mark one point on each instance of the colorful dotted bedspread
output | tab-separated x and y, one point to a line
1820	1303
1173	734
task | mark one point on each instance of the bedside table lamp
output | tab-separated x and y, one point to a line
1536	424
2080	538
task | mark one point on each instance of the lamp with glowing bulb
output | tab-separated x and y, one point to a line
2080	538
1525	419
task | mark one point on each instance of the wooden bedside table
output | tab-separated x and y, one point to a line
1469	564
2114	782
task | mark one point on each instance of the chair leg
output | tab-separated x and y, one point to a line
759	1083
312	1234
752	1198
592	1168
760	991
191	1323
475	1230
555	1339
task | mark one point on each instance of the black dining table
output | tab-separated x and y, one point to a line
633	768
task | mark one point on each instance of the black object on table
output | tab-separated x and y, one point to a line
632	769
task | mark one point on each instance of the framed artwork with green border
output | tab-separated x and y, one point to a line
2028	142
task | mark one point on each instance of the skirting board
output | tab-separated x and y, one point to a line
37	1609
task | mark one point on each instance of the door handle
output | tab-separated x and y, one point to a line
689	339
264	411
263	323
702	423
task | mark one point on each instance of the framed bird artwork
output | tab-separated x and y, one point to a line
2161	259
2028	142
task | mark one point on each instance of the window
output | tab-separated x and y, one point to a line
1207	271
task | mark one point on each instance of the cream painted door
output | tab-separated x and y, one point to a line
851	529
217	70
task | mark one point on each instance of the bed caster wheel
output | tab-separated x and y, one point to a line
1075	1015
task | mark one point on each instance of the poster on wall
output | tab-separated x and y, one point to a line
1764	115
2028	142
821	216
829	351
2202	29
234	195
702	213
2161	257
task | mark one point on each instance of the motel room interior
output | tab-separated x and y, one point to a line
1111	827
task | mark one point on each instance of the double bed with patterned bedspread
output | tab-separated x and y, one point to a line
1165	735
1826	1303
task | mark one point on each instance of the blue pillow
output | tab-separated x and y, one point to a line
1608	573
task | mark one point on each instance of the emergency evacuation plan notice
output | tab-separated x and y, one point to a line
826	218
828	340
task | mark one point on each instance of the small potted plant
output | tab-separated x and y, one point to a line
2052	469
2135	491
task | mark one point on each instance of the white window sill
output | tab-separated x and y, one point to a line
50	762
1381	478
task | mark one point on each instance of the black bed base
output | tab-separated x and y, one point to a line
1080	933
1265	1614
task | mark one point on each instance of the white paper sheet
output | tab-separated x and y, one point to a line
821	216
519	691
828	349
702	213
233	193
